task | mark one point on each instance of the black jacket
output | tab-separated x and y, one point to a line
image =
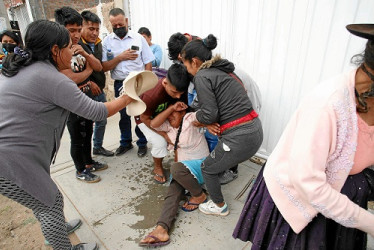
222	98
97	77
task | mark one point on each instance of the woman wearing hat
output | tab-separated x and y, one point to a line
314	189
35	100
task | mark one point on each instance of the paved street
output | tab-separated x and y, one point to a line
121	209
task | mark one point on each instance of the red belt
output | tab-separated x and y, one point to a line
238	121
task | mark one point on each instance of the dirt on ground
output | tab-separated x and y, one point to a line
19	229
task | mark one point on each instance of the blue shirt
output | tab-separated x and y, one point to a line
157	52
92	46
118	45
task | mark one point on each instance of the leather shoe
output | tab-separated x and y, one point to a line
123	149
142	151
102	151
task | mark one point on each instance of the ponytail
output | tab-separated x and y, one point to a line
15	61
41	36
202	49
210	42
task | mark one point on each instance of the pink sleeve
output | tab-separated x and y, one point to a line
164	127
314	137
190	117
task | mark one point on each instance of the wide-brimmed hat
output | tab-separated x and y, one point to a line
364	30
135	84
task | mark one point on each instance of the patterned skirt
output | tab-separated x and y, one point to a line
262	224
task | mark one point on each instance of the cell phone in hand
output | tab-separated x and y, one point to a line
134	47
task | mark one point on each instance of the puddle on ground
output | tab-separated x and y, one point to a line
149	205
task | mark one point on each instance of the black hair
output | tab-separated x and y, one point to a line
89	16
367	56
145	31
188	110
178	77
202	49
67	15
12	35
41	36
175	45
116	12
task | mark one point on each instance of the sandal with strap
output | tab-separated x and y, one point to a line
156	243
193	204
160	176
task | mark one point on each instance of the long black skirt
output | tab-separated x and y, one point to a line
262	224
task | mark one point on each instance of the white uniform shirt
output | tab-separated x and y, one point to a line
118	45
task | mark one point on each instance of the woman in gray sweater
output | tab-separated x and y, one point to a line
224	107
35	100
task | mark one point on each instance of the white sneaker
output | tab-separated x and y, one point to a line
211	208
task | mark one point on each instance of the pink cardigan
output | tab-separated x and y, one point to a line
312	160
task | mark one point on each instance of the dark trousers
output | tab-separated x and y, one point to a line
125	123
212	141
80	130
234	146
182	180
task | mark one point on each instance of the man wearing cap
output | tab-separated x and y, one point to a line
125	51
168	90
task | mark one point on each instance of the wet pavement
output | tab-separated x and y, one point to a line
124	206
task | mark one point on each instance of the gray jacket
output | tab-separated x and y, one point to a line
222	98
34	106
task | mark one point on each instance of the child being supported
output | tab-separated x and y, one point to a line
190	149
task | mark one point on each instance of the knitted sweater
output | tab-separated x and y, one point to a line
313	158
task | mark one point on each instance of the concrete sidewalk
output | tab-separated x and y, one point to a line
124	207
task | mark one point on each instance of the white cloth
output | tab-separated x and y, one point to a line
251	87
117	46
159	144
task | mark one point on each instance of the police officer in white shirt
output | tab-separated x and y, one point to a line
127	51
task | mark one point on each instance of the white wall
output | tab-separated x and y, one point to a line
287	46
21	14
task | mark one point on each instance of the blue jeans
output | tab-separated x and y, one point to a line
125	124
191	97
212	140
99	129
